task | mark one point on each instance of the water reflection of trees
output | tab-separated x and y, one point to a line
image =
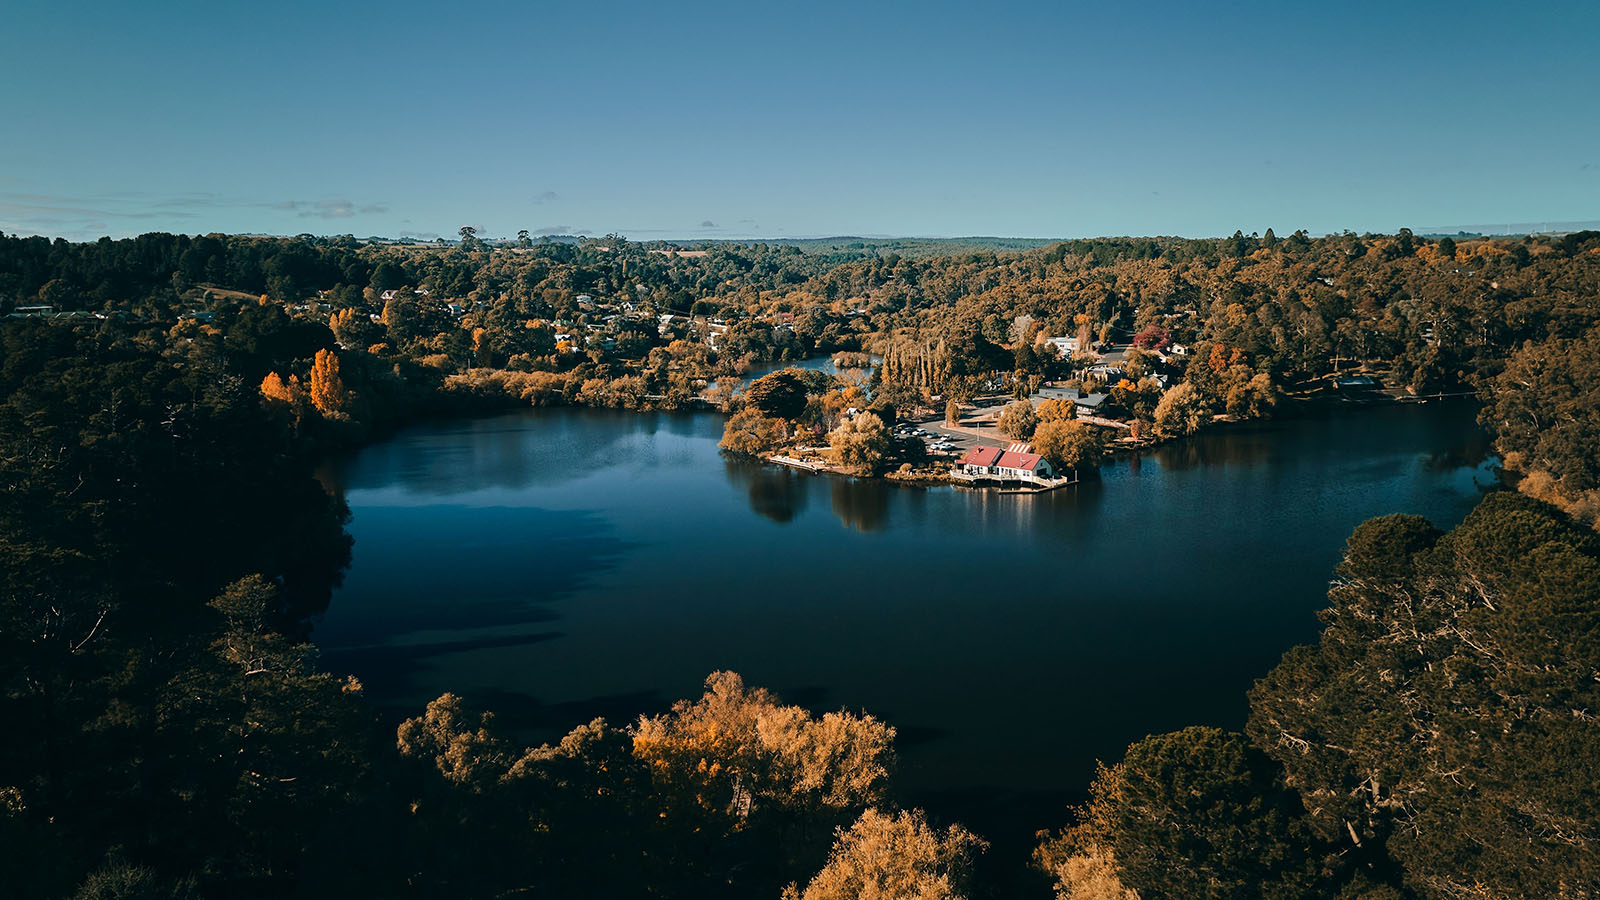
775	493
1213	450
511	451
861	504
1471	451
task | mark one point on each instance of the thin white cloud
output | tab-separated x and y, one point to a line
330	209
122	213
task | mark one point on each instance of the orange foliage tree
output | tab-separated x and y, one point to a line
288	395
328	393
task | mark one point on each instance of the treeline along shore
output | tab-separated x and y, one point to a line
172	733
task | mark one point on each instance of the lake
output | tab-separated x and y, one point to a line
561	564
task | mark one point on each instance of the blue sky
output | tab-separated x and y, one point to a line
698	120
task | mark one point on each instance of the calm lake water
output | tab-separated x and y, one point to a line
556	565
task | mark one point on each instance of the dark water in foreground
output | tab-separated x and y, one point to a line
556	565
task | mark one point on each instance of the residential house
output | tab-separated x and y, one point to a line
1067	347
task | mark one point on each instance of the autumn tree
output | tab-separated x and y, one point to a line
750	433
1017	420
1152	337
722	391
1248	394
780	394
1136	398
328	393
462	746
860	443
1069	445
288	396
1057	409
1181	412
737	748
354	329
895	857
1082	867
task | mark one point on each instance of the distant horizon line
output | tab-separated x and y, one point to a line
1511	229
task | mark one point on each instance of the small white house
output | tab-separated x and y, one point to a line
1066	346
1014	463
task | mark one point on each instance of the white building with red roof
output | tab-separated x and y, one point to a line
1016	462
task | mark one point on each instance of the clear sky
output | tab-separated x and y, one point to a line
689	120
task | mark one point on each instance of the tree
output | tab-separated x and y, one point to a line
1082	866
860	443
1202	814
1181	412
1056	409
387	276
1248	395
328	393
461	746
1152	337
750	433
895	857
1137	398
1068	444
1017	420
410	317
1432	728
735	743
1543	411
722	391
952	412
354	329
287	395
780	394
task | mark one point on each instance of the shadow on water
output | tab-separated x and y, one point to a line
389	671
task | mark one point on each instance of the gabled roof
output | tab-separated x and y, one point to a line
981	456
1012	459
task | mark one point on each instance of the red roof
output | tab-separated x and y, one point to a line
1014	460
1004	459
981	456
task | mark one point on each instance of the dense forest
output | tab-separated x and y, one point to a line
173	734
